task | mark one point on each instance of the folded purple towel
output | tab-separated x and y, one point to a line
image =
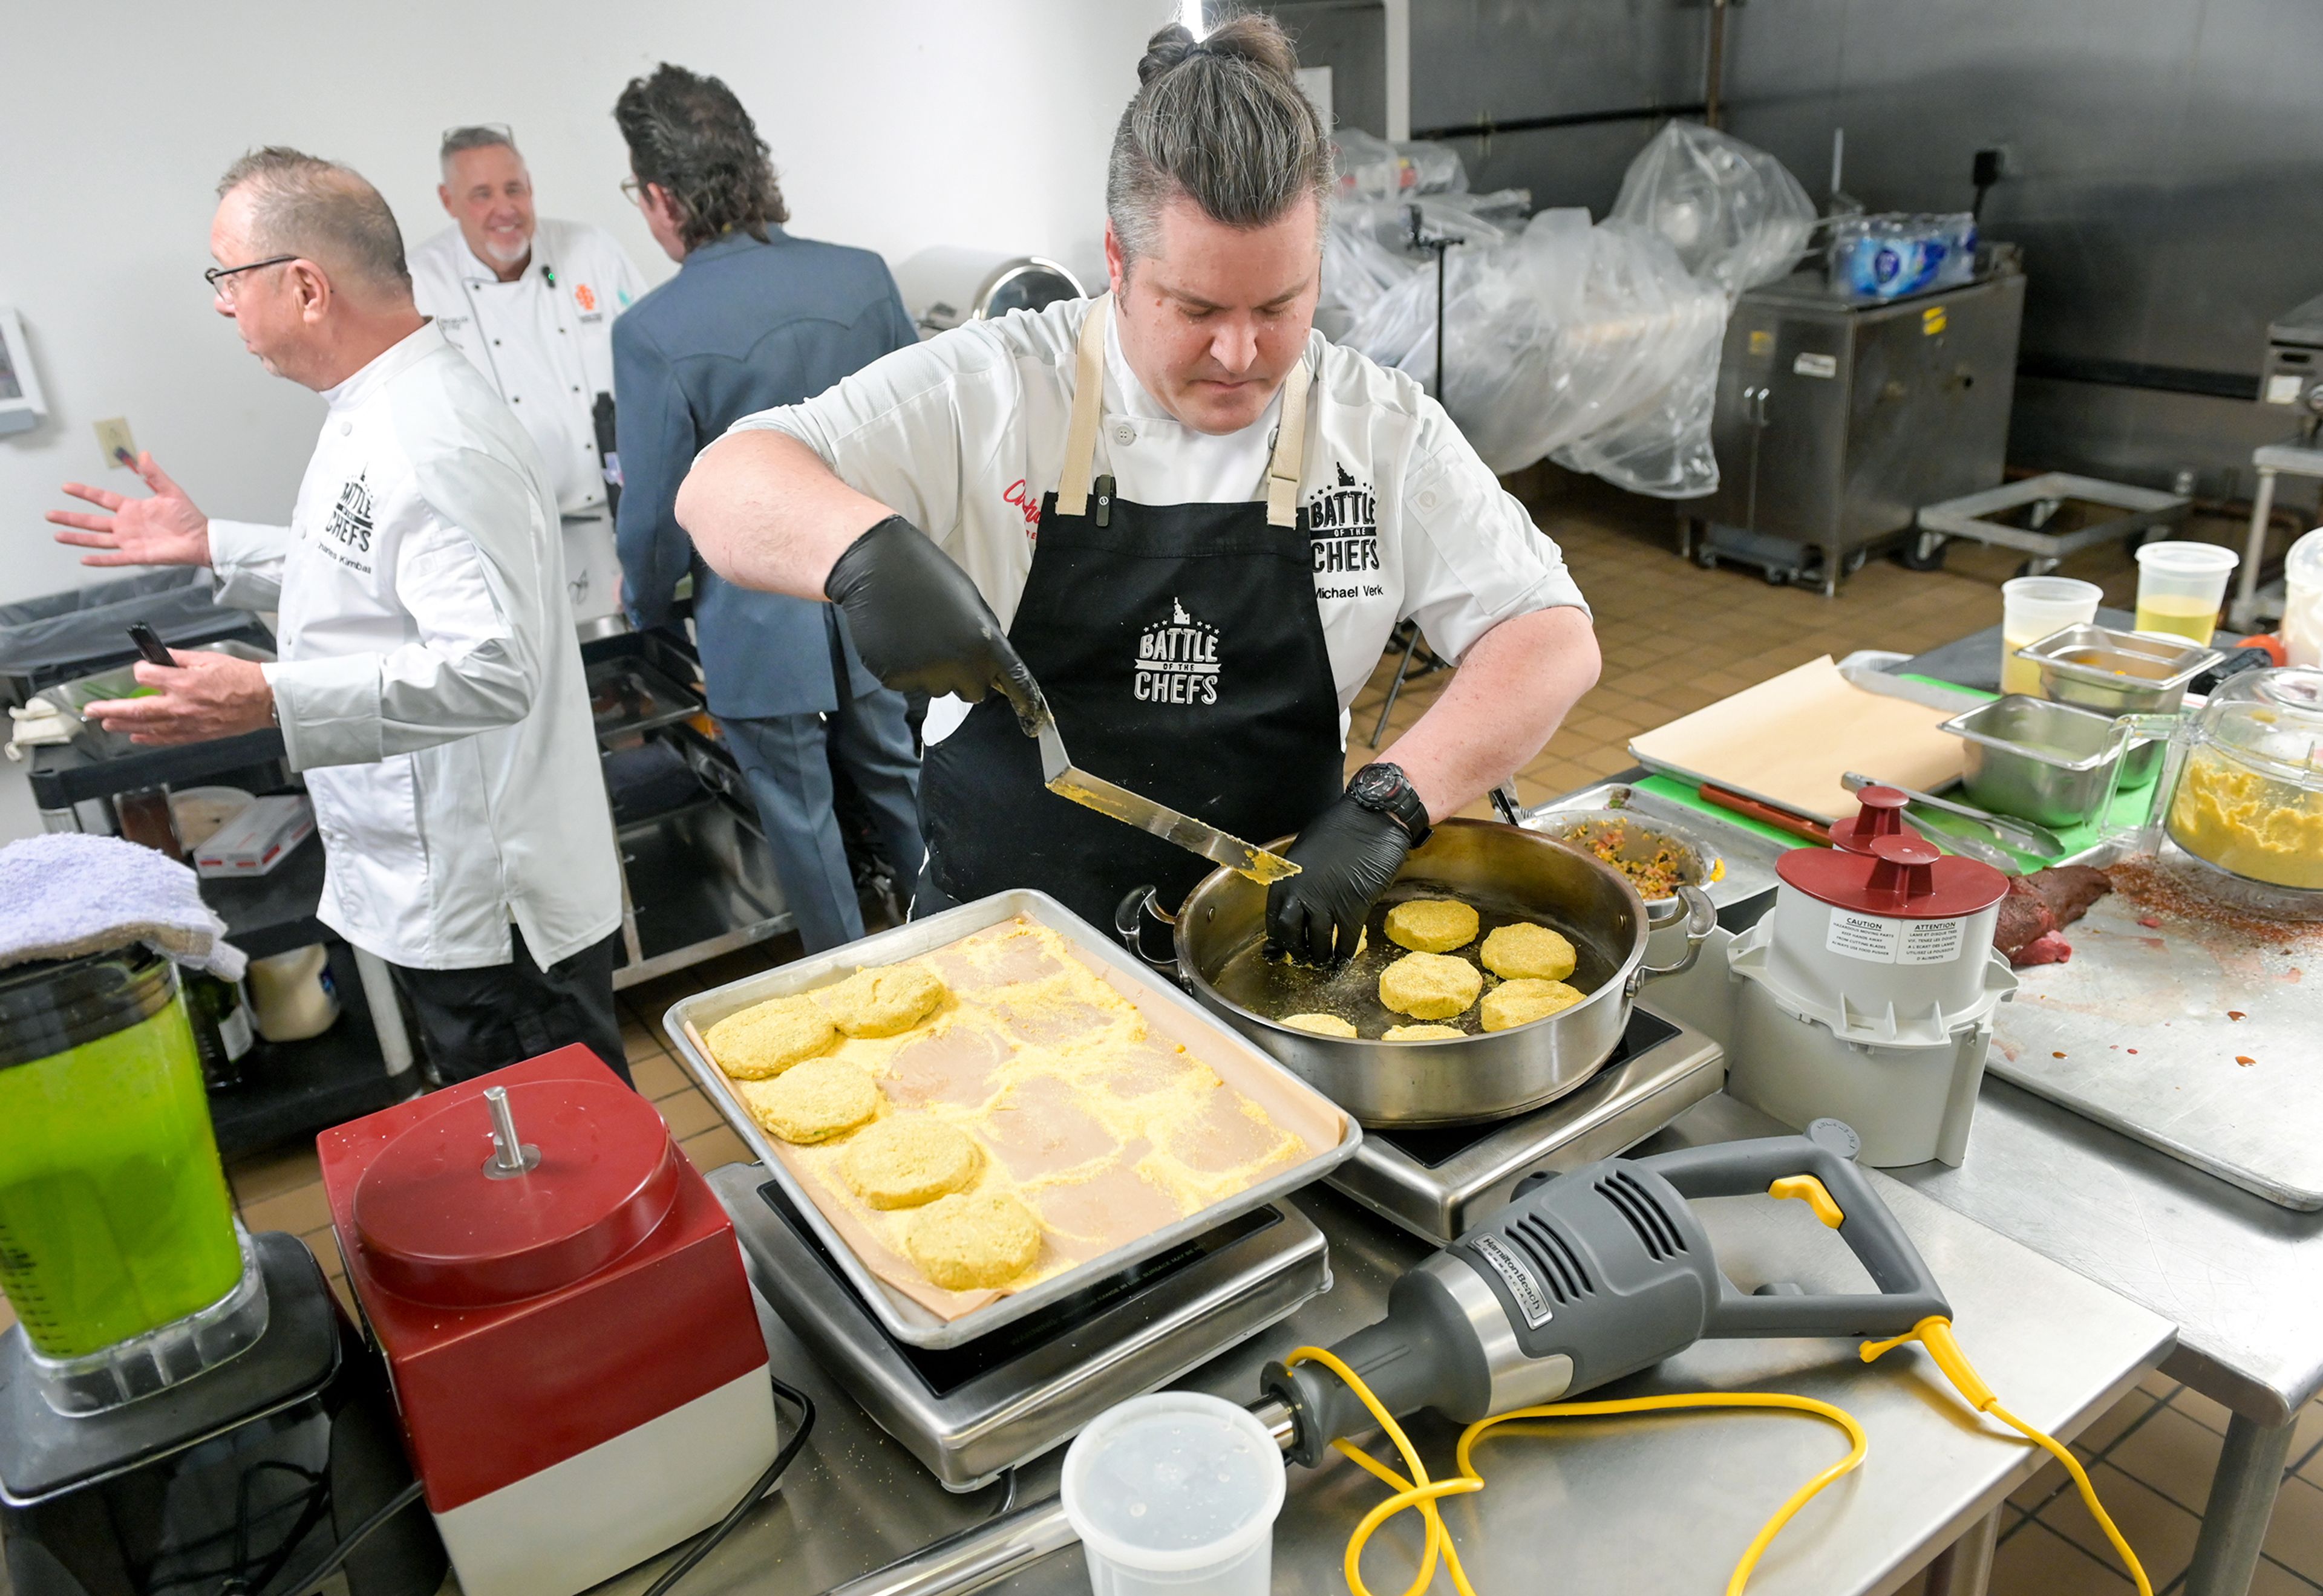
67	894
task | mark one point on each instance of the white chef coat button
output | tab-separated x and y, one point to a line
346	428
1124	434
1427	500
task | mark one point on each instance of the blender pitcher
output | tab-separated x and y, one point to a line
119	1249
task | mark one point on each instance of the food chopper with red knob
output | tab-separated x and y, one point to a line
575	1354
1867	994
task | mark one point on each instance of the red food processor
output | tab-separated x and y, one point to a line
572	1340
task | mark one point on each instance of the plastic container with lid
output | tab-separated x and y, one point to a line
2303	601
2246	795
2180	586
1174	1492
118	1245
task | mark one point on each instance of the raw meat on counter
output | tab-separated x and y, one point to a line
2040	905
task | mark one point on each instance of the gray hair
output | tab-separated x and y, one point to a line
302	205
482	135
1223	123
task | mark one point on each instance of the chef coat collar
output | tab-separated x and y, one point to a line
1126	396
386	364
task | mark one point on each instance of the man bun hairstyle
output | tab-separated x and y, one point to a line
1222	122
302	205
690	134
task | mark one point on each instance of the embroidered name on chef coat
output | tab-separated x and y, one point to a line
350	524
1177	660
1343	531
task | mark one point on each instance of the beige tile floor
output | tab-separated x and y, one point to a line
1674	639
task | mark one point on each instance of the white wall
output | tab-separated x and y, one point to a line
895	125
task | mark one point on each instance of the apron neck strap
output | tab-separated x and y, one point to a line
1282	468
1089	400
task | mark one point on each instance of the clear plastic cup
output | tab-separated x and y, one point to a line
1175	1492
2303	601
2179	587
2031	608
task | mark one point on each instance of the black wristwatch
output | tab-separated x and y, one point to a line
1384	789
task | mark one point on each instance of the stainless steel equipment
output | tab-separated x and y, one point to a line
2048	517
1749	856
1504	871
2292	378
1637	839
951	284
1837	420
970	1412
2039	761
2116	672
1436	1181
897	1315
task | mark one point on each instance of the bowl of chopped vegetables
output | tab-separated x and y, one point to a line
1658	858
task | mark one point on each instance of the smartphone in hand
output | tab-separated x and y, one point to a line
149	644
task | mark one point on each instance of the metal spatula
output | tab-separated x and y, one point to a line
1091	792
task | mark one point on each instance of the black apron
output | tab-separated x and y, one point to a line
1180	650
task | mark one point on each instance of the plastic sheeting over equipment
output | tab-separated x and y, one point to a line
1597	345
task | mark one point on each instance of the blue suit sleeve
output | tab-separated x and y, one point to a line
653	434
903	332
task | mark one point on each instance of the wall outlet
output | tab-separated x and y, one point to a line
113	442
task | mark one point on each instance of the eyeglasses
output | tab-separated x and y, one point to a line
221	278
633	190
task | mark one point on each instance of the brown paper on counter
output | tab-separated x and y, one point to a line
952	1058
1790	739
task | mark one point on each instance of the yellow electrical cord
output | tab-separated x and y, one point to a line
1420	1493
1936	1336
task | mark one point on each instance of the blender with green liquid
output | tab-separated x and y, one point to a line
119	1249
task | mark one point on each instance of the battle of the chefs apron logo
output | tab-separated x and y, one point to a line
350	524
1343	527
1177	660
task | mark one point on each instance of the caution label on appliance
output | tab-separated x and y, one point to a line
1875	939
1865	937
1932	941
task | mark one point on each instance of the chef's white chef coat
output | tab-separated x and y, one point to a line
428	682
961	435
544	341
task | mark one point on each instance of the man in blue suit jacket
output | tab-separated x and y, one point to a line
754	319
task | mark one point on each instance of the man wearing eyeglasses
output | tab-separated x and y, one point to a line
429	683
531	300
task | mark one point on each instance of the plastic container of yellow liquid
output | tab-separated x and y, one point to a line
2030	608
2180	586
119	1250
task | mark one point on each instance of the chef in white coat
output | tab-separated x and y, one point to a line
1190	519
428	684
531	300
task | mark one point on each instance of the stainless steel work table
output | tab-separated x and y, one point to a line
2241	1278
1631	1505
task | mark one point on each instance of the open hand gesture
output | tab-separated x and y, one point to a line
166	530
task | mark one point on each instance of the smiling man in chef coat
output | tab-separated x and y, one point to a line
429	683
531	300
1188	517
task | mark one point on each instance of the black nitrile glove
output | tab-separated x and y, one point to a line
1347	857
920	624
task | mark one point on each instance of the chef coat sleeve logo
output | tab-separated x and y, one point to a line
1176	661
351	523
1343	533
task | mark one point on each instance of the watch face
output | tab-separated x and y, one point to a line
1377	784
